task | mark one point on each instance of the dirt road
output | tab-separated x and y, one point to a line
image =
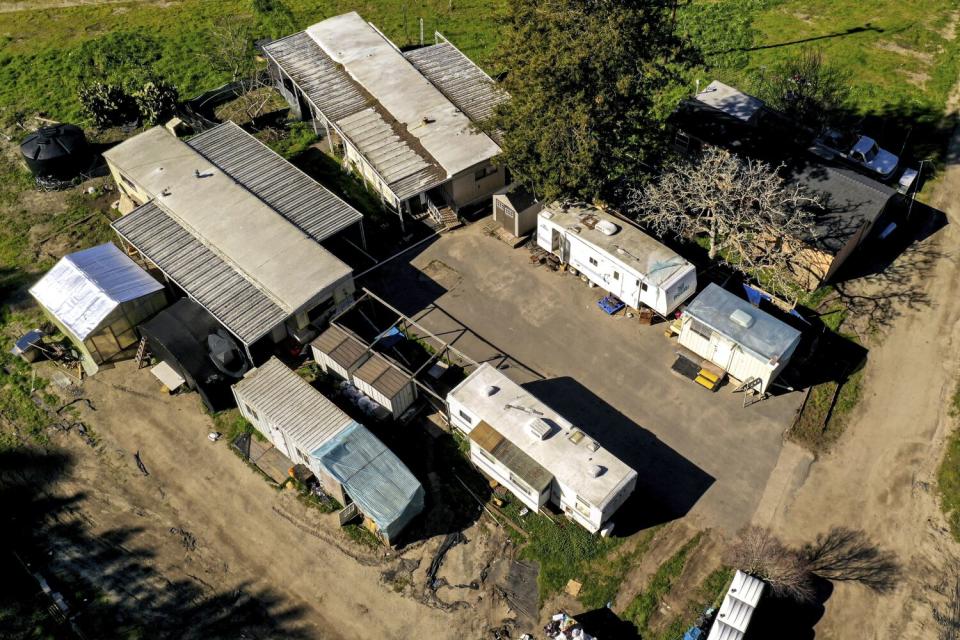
244	535
880	477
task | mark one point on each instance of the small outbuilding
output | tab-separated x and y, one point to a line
336	351
516	209
97	297
387	494
384	383
747	343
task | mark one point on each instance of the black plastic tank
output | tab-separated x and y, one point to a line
58	151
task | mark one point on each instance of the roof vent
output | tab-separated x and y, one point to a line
539	428
742	318
596	471
491	390
593	445
606	227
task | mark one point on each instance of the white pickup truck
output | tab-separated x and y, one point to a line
863	153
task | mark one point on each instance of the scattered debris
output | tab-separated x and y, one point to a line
452	540
187	539
573	588
213	436
74	401
143	468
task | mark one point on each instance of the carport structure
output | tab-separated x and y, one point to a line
439	354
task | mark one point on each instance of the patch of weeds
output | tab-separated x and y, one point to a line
602	583
563	549
948	476
827	412
648	601
323	503
708	595
362	536
299	136
232	425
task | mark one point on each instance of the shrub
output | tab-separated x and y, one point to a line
156	101
107	104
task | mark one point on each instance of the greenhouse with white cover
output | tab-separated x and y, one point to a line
97	297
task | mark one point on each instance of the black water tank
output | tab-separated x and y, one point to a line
58	151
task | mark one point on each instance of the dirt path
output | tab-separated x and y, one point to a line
880	477
304	572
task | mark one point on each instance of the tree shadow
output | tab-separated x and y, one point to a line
848	555
107	583
784	618
604	623
668	485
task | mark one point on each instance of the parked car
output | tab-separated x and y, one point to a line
861	151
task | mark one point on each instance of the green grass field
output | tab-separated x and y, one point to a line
903	56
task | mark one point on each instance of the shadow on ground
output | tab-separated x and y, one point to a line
668	485
109	583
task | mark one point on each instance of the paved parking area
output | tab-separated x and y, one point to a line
695	452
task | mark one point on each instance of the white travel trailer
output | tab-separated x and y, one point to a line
535	452
616	256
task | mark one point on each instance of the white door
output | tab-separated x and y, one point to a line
722	352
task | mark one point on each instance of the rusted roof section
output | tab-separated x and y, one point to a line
511	456
340	347
382	375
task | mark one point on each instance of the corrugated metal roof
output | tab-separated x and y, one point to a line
324	82
511	456
289	403
293	194
374	477
459	79
737	608
766	337
382	375
341	347
84	287
206	277
406	172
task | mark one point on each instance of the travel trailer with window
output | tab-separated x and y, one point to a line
616	256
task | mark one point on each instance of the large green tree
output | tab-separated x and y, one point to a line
590	84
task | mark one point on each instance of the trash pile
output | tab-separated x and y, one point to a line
563	627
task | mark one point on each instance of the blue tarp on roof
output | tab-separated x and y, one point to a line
374	477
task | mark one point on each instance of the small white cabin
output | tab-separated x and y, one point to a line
739	338
385	384
616	256
535	452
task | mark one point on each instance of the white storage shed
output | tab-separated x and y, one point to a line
384	383
616	256
535	452
335	351
516	209
97	297
739	338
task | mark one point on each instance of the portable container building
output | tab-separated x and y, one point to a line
384	490
337	352
351	464
616	256
739	338
385	384
97	297
516	209
536	453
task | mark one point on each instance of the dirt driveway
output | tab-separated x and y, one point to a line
881	475
215	529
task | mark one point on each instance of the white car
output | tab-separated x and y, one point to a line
861	151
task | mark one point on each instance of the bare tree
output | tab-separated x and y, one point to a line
760	553
750	217
233	54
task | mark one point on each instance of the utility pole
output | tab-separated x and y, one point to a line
421	32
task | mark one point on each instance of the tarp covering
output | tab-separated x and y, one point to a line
84	287
374	477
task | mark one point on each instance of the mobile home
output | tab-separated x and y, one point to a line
535	452
739	338
616	256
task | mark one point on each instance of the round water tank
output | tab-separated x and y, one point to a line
58	151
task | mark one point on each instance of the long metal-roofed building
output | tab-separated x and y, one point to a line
221	224
407	121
